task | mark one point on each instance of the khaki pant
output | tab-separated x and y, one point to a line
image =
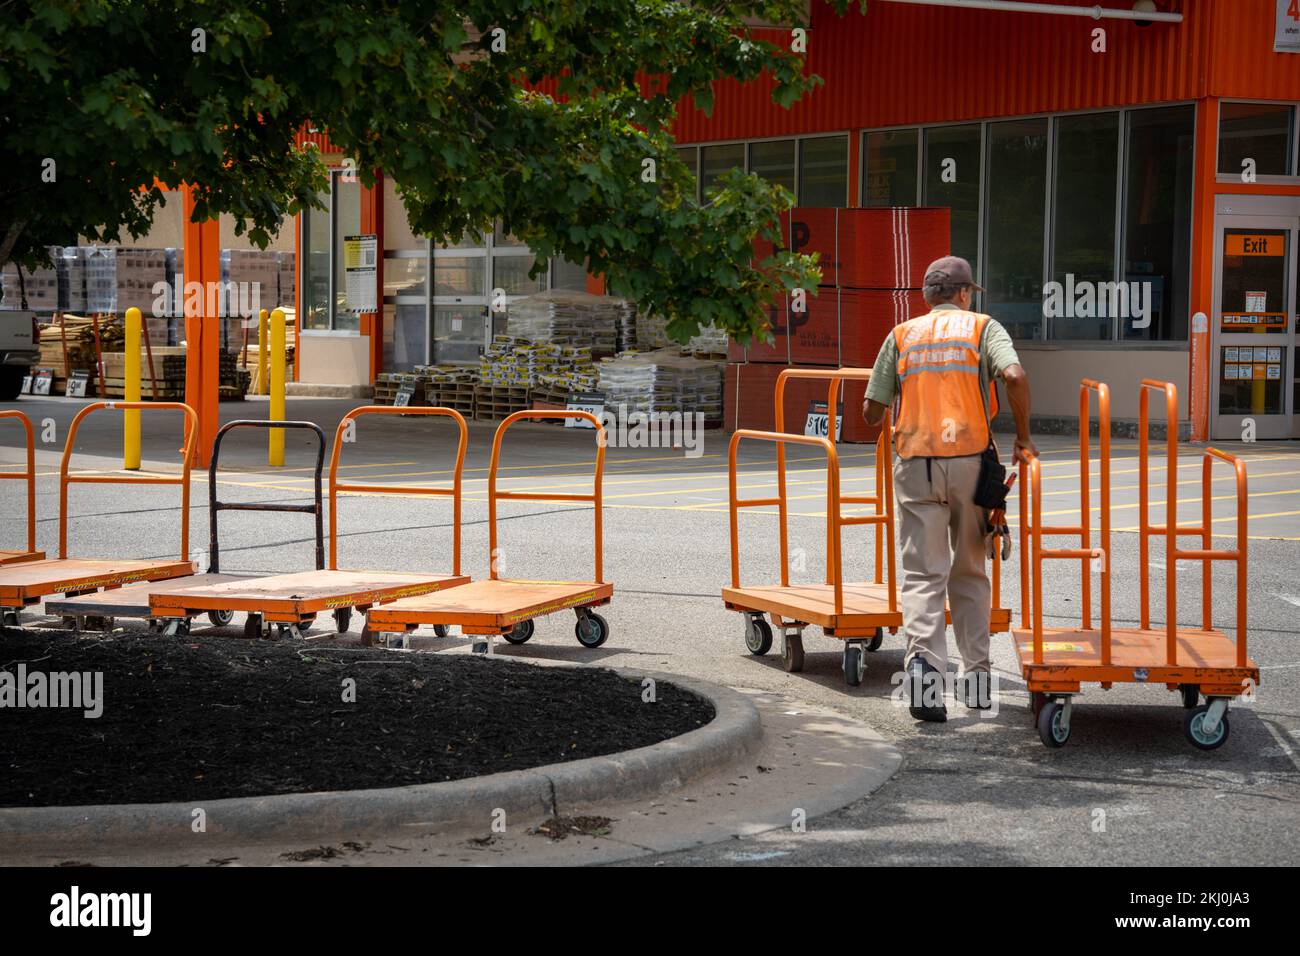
942	534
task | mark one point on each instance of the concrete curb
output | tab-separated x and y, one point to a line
735	731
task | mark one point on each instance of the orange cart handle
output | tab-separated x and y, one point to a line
596	497
834	520
187	458
29	475
454	491
1208	553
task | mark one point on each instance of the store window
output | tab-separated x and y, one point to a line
1083	227
1258	132
325	305
347	222
1157	219
952	179
1017	197
315	248
824	171
889	167
774	161
717	160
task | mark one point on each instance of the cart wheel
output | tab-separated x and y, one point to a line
253	627
1037	700
9	618
1192	727
591	630
855	664
177	627
1049	724
441	630
221	618
307	621
1191	695
758	636
524	630
792	654
342	618
288	630
873	645
367	635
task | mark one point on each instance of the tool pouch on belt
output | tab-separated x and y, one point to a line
991	486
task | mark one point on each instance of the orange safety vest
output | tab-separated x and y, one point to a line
942	414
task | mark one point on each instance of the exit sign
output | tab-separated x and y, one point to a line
1244	244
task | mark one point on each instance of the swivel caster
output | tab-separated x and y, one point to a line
1206	726
518	635
221	618
874	643
758	635
342	618
442	630
855	662
591	629
792	651
254	629
1054	723
177	627
1191	694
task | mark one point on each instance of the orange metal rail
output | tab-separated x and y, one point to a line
29	475
1031	531
883	499
187	459
494	495
454	491
1171	530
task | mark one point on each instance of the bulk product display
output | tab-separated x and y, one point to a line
560	317
290	602
1197	662
652	333
662	382
508	607
29	582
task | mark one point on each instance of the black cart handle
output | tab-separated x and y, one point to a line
214	564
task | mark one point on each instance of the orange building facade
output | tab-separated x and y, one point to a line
1129	194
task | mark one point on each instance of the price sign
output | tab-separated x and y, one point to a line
592	402
818	423
404	395
42	381
76	387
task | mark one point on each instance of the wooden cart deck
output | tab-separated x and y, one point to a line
15	557
290	597
1072	655
866	606
490	607
29	581
132	600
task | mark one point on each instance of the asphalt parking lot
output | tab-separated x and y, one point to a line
1127	789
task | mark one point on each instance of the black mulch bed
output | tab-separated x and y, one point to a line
201	718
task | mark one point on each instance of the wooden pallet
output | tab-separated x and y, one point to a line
494	402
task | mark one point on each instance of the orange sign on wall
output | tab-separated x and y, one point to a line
1244	244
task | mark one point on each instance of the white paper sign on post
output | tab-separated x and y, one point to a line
1286	38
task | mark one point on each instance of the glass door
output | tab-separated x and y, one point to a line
1254	353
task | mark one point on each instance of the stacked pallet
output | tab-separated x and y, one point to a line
662	382
561	317
495	402
166	382
389	384
451	386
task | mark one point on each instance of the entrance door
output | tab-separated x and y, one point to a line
1254	354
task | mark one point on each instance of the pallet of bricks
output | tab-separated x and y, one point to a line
662	383
873	262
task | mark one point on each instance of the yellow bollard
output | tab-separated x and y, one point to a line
275	453
131	392
263	386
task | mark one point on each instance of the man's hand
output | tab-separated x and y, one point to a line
1023	452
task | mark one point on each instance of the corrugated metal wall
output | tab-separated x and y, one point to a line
901	64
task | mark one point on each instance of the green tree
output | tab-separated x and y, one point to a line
101	97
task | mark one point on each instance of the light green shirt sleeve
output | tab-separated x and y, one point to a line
999	352
884	374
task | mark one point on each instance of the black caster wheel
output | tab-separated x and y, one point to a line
873	645
253	627
342	618
1049	724
591	630
855	664
177	628
1194	728
1037	700
792	654
9	619
1191	694
758	636
308	621
220	618
521	633
441	630
290	631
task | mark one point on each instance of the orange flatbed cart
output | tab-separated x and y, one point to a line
29	582
29	476
505	607
1056	661
290	602
867	608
